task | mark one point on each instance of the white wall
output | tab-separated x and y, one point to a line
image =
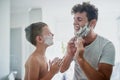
4	38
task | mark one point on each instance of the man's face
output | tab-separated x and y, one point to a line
80	19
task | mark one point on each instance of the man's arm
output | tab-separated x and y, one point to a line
103	73
71	49
66	62
104	67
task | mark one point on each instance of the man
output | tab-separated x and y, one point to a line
36	67
93	55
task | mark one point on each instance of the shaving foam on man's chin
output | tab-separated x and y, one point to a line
83	31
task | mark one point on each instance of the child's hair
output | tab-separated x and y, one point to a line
34	30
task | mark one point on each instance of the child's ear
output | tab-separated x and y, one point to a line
39	39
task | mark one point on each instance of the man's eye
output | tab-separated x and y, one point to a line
79	19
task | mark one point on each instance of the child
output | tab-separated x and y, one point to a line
36	67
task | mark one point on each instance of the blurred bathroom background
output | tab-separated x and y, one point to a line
15	15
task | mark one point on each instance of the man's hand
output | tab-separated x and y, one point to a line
67	59
80	49
71	49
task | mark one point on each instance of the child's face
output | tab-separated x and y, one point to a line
46	31
47	36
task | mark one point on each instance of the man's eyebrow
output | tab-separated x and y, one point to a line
79	18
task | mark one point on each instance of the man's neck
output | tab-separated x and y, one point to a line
90	38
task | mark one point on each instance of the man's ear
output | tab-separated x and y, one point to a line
93	23
39	39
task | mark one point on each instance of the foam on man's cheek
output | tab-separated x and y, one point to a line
83	32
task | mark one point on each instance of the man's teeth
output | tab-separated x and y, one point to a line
77	28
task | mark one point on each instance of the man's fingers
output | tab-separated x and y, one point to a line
61	62
72	40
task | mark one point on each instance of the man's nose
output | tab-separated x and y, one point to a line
75	22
